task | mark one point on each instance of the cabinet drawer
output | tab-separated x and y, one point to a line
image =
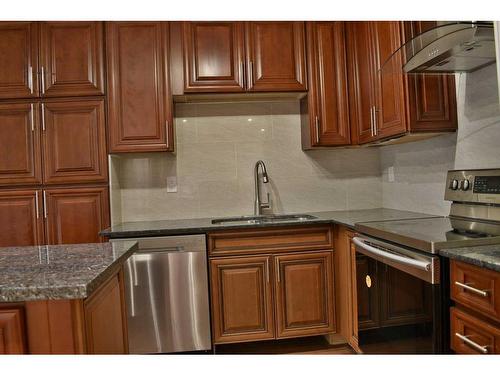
272	240
470	335
476	288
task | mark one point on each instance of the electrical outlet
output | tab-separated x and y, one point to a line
390	174
171	184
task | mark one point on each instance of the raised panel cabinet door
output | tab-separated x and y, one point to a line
390	89
72	58
304	294
18	60
12	331
139	99
20	158
276	56
21	218
328	83
213	56
76	215
432	98
242	304
74	141
104	325
361	79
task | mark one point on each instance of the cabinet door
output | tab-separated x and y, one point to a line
242	305
72	58
18	59
84	158
276	56
20	159
213	56
360	60
12	331
104	320
304	294
76	215
390	89
432	98
139	100
20	218
367	292
329	125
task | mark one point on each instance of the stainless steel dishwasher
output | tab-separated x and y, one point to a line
166	293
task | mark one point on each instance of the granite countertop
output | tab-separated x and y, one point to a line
60	271
204	225
486	256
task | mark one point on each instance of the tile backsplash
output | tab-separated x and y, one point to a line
216	150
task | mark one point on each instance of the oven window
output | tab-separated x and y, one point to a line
395	310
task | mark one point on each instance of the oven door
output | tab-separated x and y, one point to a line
398	299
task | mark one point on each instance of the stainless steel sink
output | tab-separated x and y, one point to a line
263	219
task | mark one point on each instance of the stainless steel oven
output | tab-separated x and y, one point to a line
400	302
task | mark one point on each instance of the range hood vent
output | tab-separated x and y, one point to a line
454	47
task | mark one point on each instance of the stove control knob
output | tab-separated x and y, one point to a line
465	185
454	184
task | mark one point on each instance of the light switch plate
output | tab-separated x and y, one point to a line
390	174
172	184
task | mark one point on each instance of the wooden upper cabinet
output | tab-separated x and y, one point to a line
390	91
304	294
76	215
20	159
84	158
241	295
72	58
139	99
213	56
276	56
18	60
327	119
361	77
12	331
21	218
432	98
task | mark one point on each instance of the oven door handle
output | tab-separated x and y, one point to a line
423	265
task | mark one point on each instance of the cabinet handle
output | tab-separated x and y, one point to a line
242	70
30	78
43	116
32	118
37	209
167	138
250	74
278	270
483	293
45	212
375	131
267	270
42	79
316	121
475	345
371	121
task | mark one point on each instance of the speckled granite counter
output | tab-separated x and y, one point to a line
200	226
487	256
58	272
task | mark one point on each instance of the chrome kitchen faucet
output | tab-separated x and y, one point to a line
258	204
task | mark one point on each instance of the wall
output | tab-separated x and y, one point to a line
420	168
217	146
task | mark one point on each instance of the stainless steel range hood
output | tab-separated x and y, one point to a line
450	47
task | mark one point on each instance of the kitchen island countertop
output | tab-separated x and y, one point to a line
58	271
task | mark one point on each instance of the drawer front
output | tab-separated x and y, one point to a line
476	288
470	335
270	240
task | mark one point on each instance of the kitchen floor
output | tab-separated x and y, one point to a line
309	345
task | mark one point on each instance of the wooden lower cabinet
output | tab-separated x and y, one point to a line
242	304
95	325
273	294
471	335
304	294
12	330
